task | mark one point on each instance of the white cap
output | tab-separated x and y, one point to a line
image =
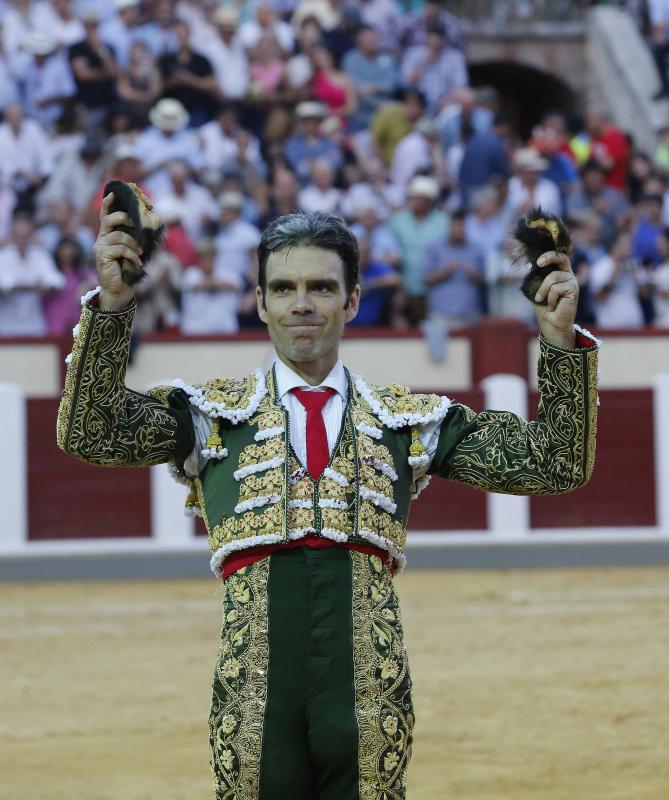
124	151
427	126
423	186
169	114
39	44
231	200
169	208
226	16
121	4
310	109
529	158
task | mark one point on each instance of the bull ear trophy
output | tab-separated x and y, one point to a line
147	228
537	233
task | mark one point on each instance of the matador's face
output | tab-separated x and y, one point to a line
306	305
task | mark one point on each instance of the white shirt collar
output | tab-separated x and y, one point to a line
286	379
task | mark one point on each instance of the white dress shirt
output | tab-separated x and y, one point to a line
333	413
333	410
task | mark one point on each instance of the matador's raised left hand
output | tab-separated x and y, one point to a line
560	290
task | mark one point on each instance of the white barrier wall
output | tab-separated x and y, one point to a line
13	468
508	515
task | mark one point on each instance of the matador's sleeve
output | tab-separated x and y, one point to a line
103	422
500	452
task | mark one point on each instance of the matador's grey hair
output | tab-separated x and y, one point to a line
318	229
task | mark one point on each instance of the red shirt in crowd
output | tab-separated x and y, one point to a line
613	146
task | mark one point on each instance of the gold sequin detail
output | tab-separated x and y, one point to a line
99	420
555	454
383	703
239	692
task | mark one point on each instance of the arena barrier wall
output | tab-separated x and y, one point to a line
52	504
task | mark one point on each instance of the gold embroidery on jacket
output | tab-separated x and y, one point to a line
240	685
382	523
257	453
268	520
504	453
99	420
262	484
233	393
383	706
337	519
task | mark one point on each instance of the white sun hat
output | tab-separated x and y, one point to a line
169	114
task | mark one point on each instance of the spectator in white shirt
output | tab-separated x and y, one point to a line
527	188
209	295
25	152
434	68
419	151
168	138
321	194
27	271
226	53
266	23
61	22
376	191
198	207
237	239
47	81
9	83
615	287
226	145
63	222
123	29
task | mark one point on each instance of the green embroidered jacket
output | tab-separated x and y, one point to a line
252	489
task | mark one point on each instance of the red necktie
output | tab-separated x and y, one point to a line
318	452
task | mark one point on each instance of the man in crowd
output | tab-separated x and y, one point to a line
27	272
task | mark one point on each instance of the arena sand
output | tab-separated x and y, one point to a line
529	685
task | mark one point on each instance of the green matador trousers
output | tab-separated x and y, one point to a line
312	693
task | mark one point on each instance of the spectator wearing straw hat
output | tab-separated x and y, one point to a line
168	138
308	145
416	227
528	189
225	51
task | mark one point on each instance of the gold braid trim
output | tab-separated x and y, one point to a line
504	453
99	420
383	704
240	685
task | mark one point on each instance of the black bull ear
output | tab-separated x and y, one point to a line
146	228
537	233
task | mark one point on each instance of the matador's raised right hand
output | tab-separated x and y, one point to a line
110	246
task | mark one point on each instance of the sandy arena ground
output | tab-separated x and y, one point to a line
537	685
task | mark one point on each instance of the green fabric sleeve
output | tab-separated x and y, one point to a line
103	422
500	452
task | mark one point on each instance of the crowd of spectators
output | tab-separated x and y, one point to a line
228	115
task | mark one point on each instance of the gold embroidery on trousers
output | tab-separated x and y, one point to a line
383	706
240	685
